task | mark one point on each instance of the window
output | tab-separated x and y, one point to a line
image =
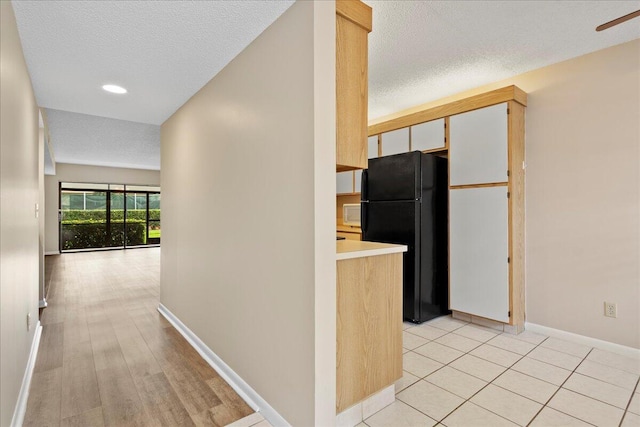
94	216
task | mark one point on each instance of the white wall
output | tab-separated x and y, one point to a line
18	224
248	181
80	173
583	192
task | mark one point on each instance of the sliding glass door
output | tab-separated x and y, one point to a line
153	229
116	216
83	215
95	216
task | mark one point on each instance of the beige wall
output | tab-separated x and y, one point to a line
582	193
80	173
41	214
258	286
18	224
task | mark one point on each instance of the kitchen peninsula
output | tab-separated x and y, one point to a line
369	319
369	274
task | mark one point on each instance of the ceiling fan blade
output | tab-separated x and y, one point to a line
618	20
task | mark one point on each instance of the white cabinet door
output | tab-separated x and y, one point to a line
344	182
428	136
478	146
373	146
479	247
395	142
358	185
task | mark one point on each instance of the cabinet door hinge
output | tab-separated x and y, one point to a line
508	111
509	314
508	173
508	194
508	259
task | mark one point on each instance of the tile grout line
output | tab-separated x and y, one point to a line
600	380
464	400
606	366
485	386
423	378
491	382
540	344
626	410
560	388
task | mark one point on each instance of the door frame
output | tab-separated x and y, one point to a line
108	193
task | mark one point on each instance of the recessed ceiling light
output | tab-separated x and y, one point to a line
114	89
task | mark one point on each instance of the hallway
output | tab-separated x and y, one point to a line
107	357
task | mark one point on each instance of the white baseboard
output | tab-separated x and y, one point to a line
23	396
52	253
244	390
584	340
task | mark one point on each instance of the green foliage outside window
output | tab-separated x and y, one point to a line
77	216
77	235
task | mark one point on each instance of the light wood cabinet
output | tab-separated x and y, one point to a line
478	146
344	182
357	181
369	326
484	141
395	142
428	136
353	24
373	146
486	213
348	182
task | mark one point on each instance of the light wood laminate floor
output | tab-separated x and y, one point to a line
107	357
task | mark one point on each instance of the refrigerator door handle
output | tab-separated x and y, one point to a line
364	206
364	185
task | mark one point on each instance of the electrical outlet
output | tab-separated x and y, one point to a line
610	309
28	321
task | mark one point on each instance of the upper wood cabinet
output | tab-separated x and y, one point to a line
373	146
428	136
344	182
484	141
478	147
348	182
395	142
357	180
353	24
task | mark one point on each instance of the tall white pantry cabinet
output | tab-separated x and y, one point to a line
485	147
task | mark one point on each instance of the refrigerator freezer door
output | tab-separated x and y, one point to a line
394	177
398	222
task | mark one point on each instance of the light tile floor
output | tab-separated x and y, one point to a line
461	375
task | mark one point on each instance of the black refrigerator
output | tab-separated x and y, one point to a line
404	200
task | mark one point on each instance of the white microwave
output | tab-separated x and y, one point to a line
351	214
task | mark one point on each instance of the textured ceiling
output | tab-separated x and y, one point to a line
420	51
163	52
100	141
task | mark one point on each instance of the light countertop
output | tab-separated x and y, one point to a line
348	249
